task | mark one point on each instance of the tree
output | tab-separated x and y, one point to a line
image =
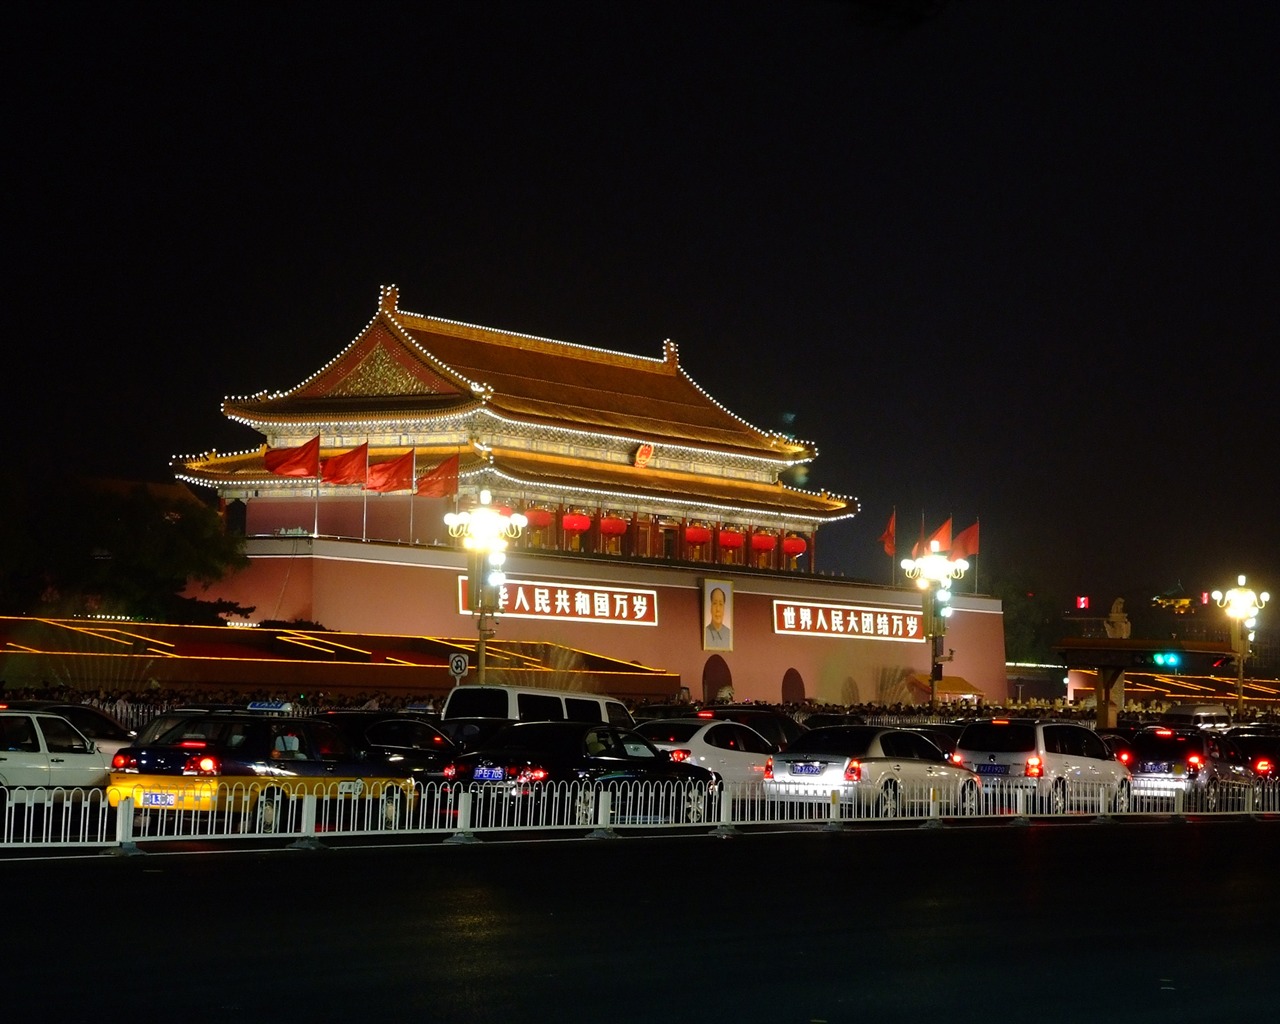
115	548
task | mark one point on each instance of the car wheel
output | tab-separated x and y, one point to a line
271	813
695	805
395	808
1212	795
890	803
1058	798
968	803
585	808
1123	799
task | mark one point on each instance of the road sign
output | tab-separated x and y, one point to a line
457	665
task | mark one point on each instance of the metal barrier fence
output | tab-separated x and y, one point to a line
50	819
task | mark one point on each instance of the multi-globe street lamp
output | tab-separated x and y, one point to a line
933	573
485	531
1242	606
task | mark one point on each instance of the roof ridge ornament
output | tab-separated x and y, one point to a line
388	298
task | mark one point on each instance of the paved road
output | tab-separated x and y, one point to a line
981	923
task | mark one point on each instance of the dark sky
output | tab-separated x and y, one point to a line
1003	261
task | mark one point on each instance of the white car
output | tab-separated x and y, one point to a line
735	751
108	733
39	749
856	771
1044	766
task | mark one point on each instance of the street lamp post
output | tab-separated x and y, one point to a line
933	573
1242	606
485	531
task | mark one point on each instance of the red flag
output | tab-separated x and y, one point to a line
301	461
440	482
965	543
943	536
348	468
890	536
396	475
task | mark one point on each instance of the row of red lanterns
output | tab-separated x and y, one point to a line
578	522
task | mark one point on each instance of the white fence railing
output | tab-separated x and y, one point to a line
71	818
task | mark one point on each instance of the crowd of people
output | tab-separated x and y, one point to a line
136	707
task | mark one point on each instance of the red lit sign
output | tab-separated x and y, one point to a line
1082	603
570	602
859	622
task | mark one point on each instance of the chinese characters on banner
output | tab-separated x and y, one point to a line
863	622
573	602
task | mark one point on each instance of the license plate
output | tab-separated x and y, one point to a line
159	799
1154	767
993	769
485	774
351	787
806	769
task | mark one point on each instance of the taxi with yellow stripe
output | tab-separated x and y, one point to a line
257	768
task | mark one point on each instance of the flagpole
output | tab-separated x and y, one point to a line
413	483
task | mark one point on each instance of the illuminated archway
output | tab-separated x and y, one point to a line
792	687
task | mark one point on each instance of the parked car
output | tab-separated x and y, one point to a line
876	771
554	773
39	749
818	719
1199	716
397	741
1044	766
255	768
1206	767
772	723
108	733
736	751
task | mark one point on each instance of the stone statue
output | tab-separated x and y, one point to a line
1117	623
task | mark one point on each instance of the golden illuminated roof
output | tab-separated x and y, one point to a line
406	365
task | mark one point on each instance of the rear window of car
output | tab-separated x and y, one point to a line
849	742
1154	746
998	738
668	732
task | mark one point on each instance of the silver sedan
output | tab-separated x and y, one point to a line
857	771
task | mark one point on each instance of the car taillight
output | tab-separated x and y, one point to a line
1124	757
1035	767
680	755
451	771
124	761
1194	763
768	768
853	771
202	764
1263	766
527	773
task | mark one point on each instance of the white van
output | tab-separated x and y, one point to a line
1201	716
533	704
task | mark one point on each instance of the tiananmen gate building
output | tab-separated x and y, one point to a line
643	495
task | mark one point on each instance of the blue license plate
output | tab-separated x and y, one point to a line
1154	767
806	769
487	774
159	799
993	769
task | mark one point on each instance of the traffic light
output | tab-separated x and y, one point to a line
1166	661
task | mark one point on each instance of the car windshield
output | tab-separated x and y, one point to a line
213	731
833	740
998	737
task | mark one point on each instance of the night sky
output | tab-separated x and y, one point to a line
1011	262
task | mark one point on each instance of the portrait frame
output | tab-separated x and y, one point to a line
717	636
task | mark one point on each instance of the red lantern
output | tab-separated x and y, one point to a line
575	522
763	542
792	546
730	539
697	534
539	518
612	526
